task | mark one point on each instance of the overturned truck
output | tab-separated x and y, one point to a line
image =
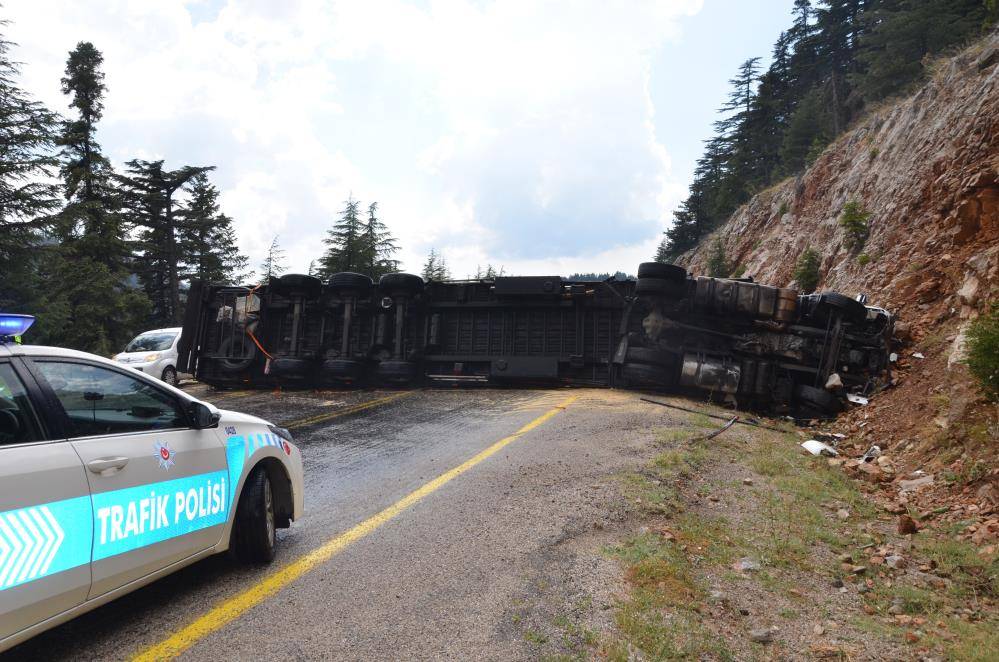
745	343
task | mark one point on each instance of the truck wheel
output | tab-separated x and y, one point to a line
253	532
396	372
237	363
669	272
347	282
640	374
817	399
658	287
342	370
850	309
169	375
400	283
309	286
292	368
648	356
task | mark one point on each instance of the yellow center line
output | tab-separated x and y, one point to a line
236	606
353	409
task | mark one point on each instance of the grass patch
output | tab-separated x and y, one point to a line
972	575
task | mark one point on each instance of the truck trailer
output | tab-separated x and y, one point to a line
747	344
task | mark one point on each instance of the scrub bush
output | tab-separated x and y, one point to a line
806	271
983	351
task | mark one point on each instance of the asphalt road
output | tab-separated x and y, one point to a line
444	578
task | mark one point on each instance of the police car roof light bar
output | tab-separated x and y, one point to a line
12	325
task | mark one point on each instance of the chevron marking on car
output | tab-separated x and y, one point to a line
34	542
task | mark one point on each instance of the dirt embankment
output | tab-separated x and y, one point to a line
926	169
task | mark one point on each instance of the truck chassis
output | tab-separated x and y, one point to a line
747	344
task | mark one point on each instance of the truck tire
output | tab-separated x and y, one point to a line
641	374
236	363
396	372
347	282
649	356
309	286
342	370
669	272
822	307
658	287
291	368
818	399
401	283
254	527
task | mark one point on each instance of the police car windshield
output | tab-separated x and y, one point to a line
151	342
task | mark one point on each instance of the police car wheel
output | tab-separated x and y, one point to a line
170	376
253	536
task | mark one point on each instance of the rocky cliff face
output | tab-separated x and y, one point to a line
927	171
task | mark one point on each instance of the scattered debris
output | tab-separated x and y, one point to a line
746	564
816	447
719	430
747	481
915	484
871	453
834	382
857	399
895	562
918	355
762	635
843	514
744	421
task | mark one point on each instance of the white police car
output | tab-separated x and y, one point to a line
110	479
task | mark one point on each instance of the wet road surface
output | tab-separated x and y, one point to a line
441	579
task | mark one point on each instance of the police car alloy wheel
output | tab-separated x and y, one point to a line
254	529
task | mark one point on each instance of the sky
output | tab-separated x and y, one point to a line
543	137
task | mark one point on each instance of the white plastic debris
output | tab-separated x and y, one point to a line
857	399
834	382
893	357
918	355
871	453
816	447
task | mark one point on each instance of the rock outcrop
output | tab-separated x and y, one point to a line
926	169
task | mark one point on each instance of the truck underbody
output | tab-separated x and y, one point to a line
750	345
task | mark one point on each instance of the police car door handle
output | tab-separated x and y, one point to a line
106	466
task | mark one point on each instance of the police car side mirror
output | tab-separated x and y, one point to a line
204	416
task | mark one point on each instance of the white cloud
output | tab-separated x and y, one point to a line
516	132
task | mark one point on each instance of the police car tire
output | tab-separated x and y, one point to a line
669	272
253	533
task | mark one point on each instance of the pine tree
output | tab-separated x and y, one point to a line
208	238
344	242
662	252
717	261
435	268
27	196
273	264
88	270
378	246
806	270
149	197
